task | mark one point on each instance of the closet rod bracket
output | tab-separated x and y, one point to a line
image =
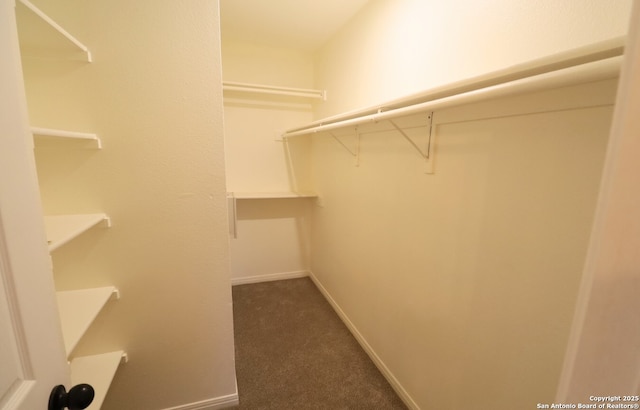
355	154
430	146
423	154
427	154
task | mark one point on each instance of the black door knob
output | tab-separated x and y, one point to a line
77	398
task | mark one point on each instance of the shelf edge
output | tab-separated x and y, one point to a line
58	28
76	230
51	132
98	371
271	195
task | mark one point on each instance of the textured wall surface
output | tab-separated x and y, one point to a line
463	282
153	94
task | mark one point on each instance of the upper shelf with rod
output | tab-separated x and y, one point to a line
39	34
274	90
271	195
594	62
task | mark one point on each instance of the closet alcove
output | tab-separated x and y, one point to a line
270	202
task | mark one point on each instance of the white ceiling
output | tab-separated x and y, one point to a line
300	24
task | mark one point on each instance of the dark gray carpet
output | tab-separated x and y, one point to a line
294	352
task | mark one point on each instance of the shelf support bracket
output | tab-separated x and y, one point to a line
342	143
428	155
233	214
115	294
106	222
430	147
424	155
357	147
355	154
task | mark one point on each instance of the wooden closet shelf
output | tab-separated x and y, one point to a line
66	134
78	309
98	371
274	90
61	229
271	195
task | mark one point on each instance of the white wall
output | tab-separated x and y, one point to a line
272	240
251	63
153	95
462	283
272	235
394	48
603	354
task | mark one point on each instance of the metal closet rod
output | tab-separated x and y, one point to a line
595	61
271	89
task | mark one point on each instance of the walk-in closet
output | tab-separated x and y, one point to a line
454	178
442	197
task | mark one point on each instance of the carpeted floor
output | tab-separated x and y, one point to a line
293	352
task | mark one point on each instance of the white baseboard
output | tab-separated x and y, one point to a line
216	403
402	393
269	277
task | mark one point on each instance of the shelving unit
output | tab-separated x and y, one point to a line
78	309
41	37
65	134
63	228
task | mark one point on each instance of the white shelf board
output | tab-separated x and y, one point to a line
40	34
275	90
73	135
63	228
78	309
271	195
98	371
